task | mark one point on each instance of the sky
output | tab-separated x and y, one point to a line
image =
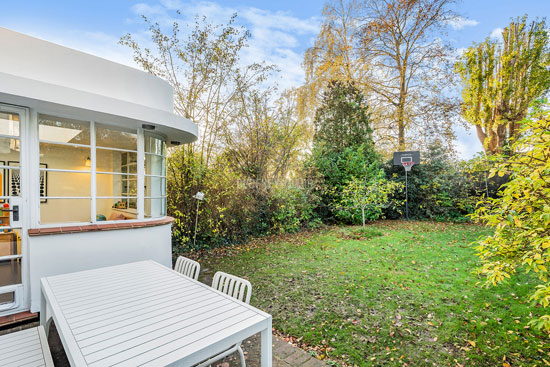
281	30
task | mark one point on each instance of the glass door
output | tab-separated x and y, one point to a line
12	120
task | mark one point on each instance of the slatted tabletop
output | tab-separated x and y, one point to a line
27	348
144	314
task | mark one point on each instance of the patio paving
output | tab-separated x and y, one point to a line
284	354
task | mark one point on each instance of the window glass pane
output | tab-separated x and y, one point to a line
9	151
155	165
8	297
155	186
68	183
10	272
12	181
65	211
115	137
115	161
116	209
64	157
116	185
154	208
9	123
154	145
62	130
10	240
129	186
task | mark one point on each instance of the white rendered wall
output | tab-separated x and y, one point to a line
48	62
58	80
66	253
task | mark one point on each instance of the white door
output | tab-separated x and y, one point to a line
13	274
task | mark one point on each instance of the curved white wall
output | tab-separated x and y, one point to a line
36	59
66	253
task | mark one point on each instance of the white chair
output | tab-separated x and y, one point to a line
188	267
240	289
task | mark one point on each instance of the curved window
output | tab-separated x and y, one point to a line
90	172
155	177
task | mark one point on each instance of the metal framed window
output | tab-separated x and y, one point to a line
155	176
65	146
136	184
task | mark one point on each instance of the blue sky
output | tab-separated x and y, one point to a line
281	30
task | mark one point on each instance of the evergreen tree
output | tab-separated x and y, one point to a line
342	121
343	149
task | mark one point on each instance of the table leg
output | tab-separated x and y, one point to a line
43	311
266	345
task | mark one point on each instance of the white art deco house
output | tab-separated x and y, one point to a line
82	165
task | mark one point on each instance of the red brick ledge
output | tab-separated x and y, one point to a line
100	227
16	318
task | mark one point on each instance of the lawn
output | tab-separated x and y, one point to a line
399	294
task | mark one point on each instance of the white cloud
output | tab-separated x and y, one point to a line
458	23
95	43
277	37
496	34
467	144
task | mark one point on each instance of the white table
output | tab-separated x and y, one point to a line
144	314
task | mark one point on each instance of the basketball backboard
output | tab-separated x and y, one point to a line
400	157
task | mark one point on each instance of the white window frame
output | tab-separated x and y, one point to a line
145	175
19	290
93	172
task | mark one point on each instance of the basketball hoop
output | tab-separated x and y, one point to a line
408	165
407	160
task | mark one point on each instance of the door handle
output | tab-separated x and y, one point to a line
15	212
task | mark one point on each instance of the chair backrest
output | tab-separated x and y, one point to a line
233	286
188	267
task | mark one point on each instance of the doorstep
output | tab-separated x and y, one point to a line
17	318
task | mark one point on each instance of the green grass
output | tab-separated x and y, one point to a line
398	294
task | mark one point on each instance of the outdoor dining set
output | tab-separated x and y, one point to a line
141	314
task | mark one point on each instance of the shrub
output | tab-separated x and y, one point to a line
293	209
330	171
234	209
439	188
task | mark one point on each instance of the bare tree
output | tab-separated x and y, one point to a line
392	51
205	70
264	139
334	56
400	39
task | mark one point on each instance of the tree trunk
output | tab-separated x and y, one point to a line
401	112
401	126
363	212
481	134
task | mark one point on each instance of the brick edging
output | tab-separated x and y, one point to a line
100	227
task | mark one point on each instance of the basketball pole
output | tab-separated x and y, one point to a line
406	194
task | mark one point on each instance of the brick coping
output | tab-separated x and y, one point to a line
100	227
17	317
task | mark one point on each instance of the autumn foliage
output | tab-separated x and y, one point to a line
521	216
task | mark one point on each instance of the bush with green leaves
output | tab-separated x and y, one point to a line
440	188
234	208
293	209
521	215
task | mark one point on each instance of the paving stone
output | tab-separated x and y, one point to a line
284	354
314	362
301	359
282	348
